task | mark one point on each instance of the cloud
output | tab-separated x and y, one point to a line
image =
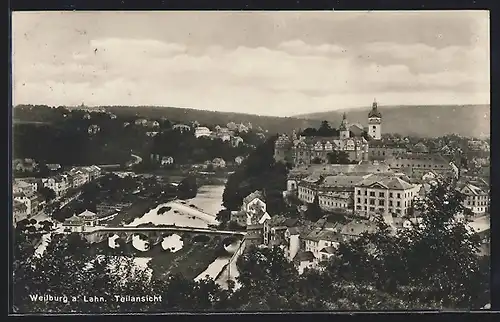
136	47
295	76
299	47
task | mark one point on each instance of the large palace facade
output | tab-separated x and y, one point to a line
302	150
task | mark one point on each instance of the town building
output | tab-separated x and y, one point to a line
153	124
356	129
93	129
224	136
292	241
332	200
334	191
416	165
238	160
24	165
239	217
384	149
476	198
167	160
26	185
19	210
354	229
218	163
141	121
419	148
232	126
384	194
79	223
60	184
304	260
201	131
30	200
54	166
255	208
275	228
315	172
318	239
236	141
242	128
306	150
181	128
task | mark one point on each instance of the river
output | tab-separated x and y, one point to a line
189	213
196	212
193	213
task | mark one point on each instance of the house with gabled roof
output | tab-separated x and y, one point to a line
275	227
476	198
355	228
304	260
320	238
78	223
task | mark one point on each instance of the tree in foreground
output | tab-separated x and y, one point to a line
434	265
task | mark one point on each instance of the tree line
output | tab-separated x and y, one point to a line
65	140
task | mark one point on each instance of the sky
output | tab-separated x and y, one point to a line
266	63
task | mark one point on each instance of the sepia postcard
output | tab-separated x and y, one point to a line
224	161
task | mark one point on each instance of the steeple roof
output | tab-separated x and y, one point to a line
343	124
374	112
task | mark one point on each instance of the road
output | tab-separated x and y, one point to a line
171	228
137	160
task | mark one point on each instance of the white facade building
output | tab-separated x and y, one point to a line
384	194
202	131
476	199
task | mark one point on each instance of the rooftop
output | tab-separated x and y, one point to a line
357	227
328	250
323	234
386	181
304	257
252	196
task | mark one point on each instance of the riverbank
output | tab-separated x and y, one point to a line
189	258
199	211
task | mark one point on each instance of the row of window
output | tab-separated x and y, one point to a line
381	202
382	194
420	166
479	203
392	211
331	203
477	197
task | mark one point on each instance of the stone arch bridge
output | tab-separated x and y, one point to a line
155	235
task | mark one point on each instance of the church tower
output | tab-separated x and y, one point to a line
375	122
344	128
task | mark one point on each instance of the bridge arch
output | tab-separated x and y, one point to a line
201	239
140	241
172	242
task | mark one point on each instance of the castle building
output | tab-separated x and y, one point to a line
375	122
305	150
